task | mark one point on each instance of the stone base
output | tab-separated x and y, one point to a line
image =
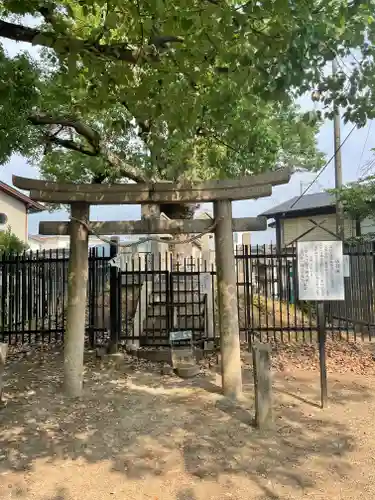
156	355
162	355
187	371
167	370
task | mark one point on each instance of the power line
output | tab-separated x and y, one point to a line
324	167
366	171
363	150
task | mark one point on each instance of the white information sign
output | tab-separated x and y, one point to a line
205	279
180	335
320	270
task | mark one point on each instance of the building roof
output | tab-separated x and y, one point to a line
31	206
306	203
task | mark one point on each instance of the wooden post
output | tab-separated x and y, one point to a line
262	385
77	291
3	357
227	299
152	212
322	353
114	298
206	281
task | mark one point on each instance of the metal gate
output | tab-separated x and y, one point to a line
150	304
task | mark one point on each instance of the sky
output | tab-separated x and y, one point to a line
356	152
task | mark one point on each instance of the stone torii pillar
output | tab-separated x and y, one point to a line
227	298
77	294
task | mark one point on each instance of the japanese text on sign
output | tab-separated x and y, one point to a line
320	270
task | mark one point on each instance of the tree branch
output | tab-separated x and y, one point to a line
69	144
48	12
49	38
91	135
94	140
124	169
143	125
119	51
162	41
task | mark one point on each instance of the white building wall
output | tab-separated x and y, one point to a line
16	214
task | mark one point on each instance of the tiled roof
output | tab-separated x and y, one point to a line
306	202
32	206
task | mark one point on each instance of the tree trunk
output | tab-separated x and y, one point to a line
181	253
149	212
77	290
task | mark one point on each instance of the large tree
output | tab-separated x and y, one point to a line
143	90
146	89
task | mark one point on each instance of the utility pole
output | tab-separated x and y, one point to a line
338	163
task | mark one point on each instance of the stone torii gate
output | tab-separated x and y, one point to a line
220	192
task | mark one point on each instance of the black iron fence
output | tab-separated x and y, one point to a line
267	292
147	298
34	291
269	307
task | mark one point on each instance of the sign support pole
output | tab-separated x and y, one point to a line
322	336
320	279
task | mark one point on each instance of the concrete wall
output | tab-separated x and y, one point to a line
291	229
367	226
16	213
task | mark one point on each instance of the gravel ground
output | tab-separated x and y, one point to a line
138	435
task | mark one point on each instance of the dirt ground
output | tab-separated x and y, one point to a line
136	434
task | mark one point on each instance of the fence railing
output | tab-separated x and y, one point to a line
148	298
33	291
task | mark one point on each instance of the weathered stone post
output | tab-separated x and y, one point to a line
227	299
262	385
77	291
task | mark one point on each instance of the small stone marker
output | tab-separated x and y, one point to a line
262	385
182	353
181	343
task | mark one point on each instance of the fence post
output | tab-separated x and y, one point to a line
114	303
207	278
3	357
92	295
248	296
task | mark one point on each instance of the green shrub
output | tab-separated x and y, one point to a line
10	243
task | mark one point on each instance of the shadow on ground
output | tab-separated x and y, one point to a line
146	425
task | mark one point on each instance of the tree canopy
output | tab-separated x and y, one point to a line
142	90
358	198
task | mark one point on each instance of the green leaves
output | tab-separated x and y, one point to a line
18	94
358	198
10	243
185	87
